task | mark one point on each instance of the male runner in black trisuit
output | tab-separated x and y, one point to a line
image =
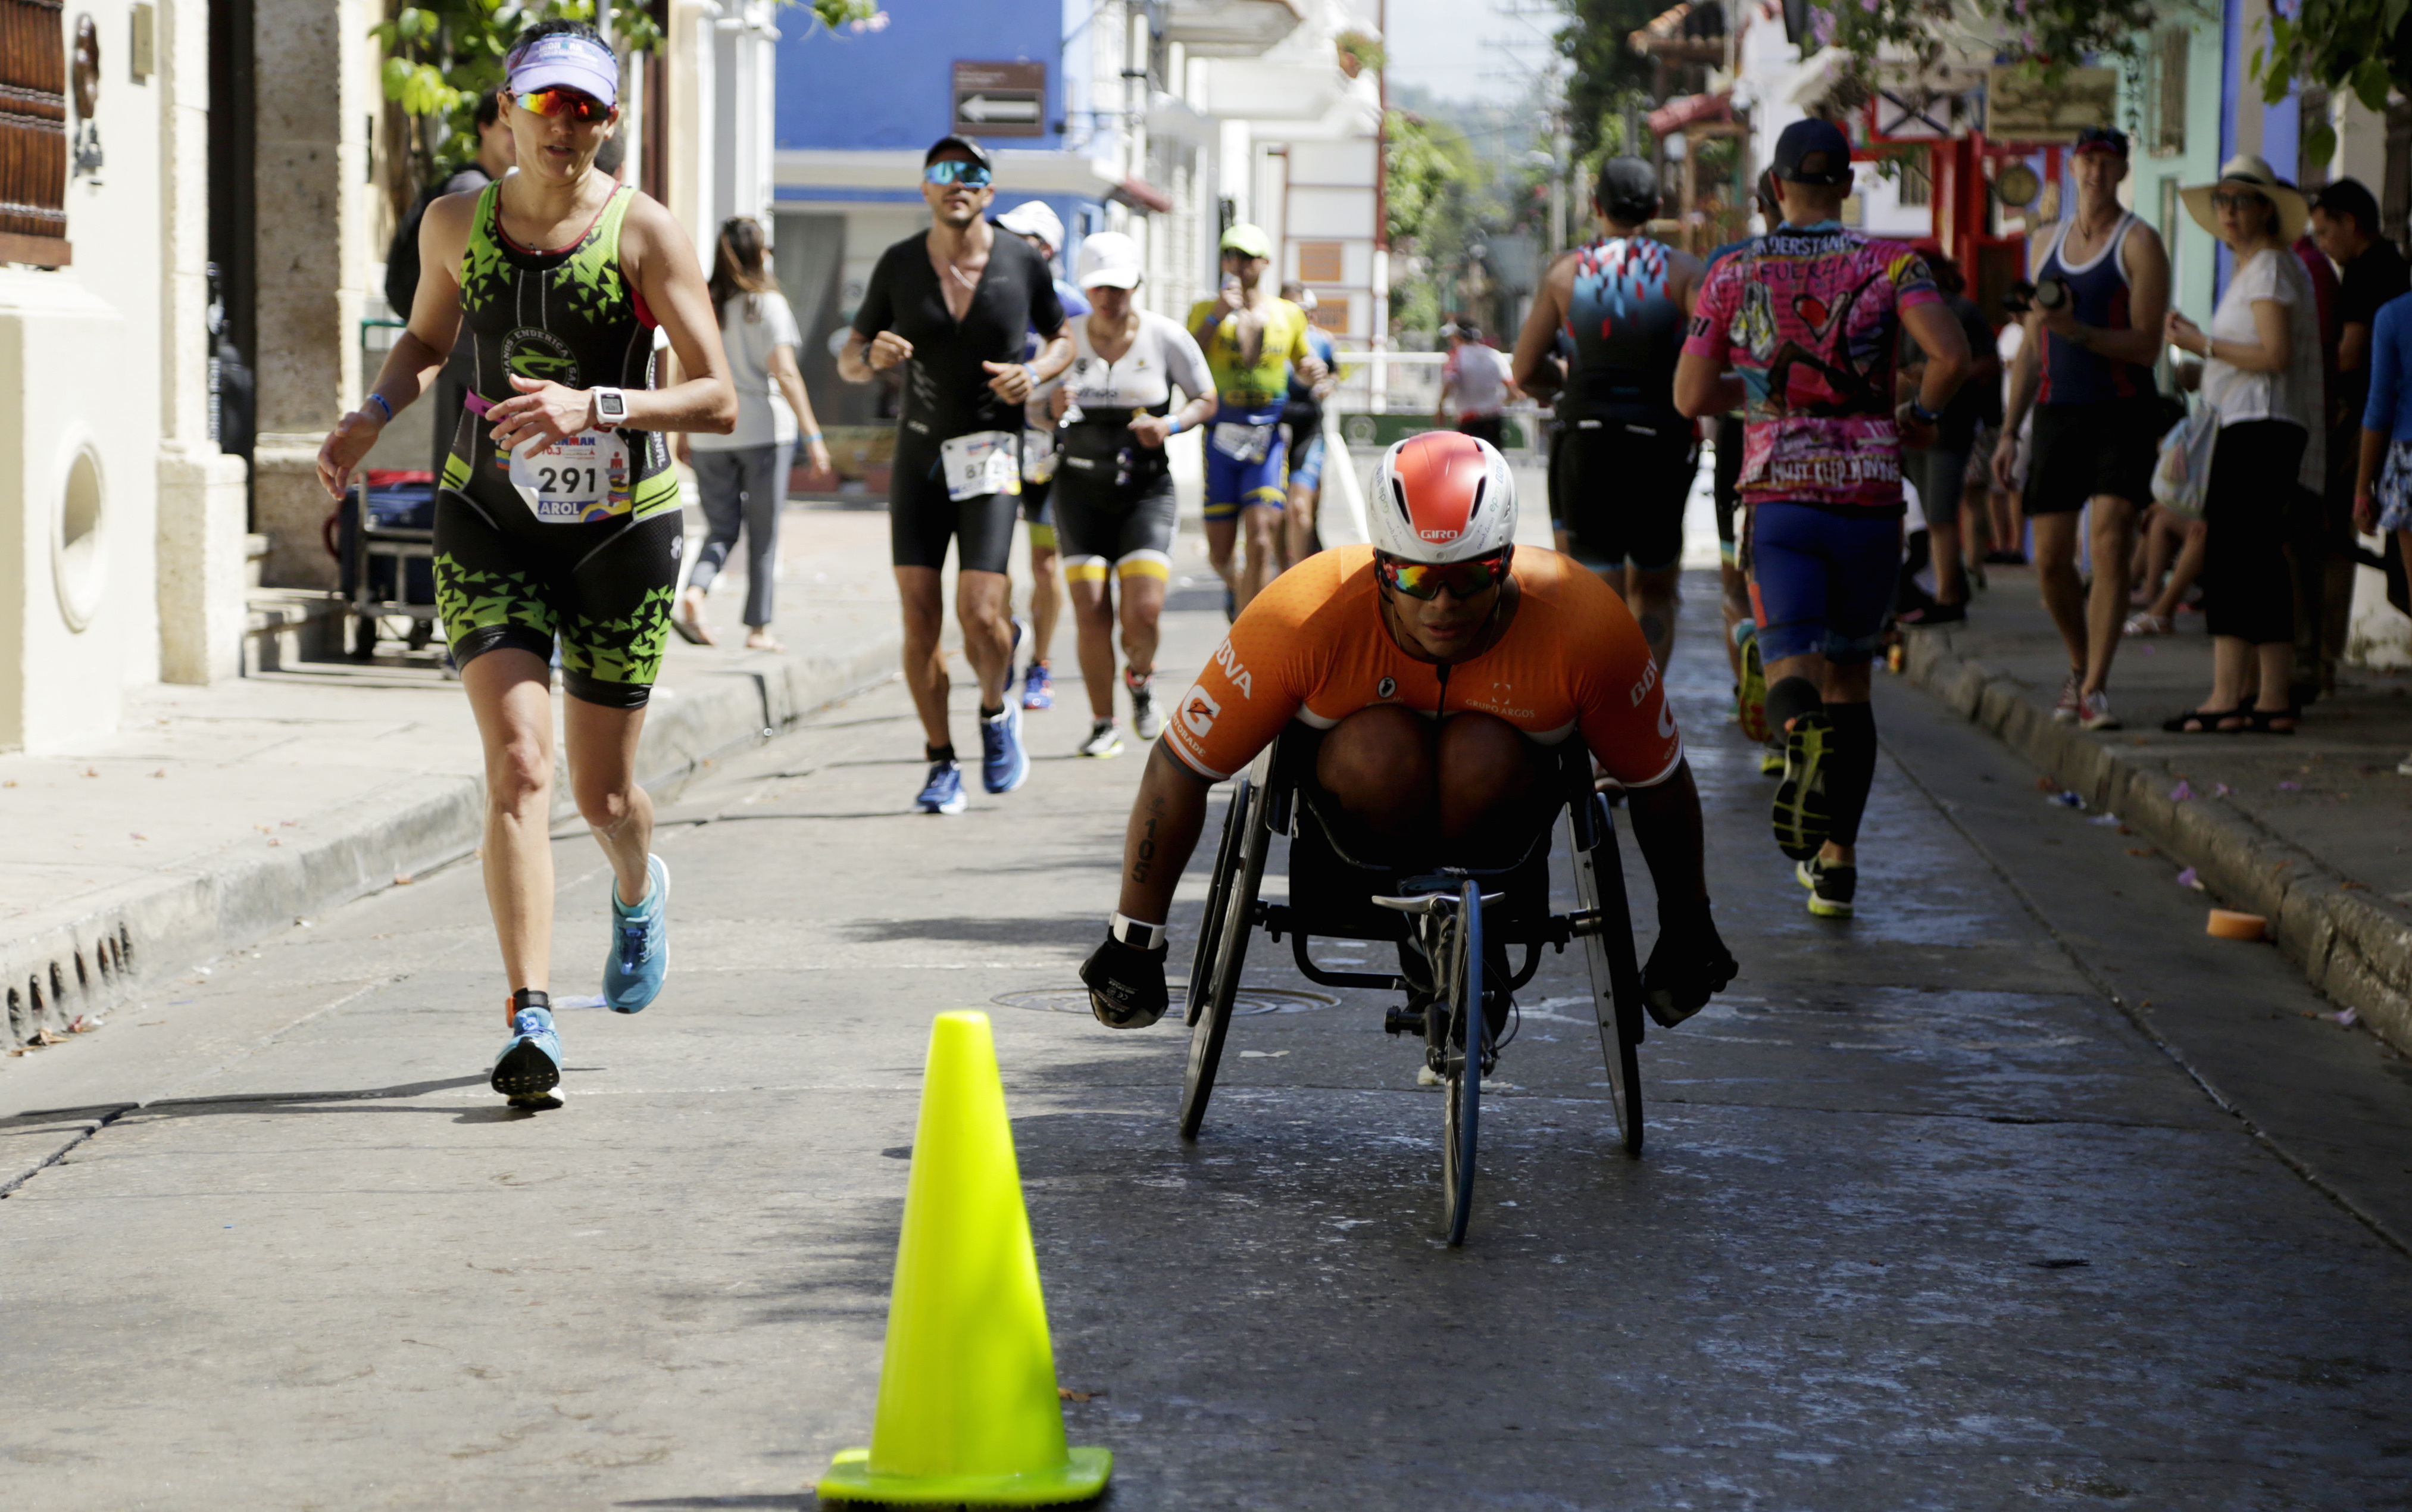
954	306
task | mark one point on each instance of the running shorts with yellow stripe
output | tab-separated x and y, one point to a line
579	544
1126	530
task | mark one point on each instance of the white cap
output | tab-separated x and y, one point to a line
1033	218
1108	259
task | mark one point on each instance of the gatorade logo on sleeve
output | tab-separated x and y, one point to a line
1198	711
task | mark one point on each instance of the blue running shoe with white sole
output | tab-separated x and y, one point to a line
1003	763
640	944
529	1066
944	792
1037	687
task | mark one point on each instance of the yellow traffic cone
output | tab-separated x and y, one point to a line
968	1410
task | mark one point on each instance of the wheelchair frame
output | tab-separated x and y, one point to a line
1273	796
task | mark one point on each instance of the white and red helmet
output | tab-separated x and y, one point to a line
1442	496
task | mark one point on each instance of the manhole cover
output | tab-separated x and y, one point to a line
1252	1000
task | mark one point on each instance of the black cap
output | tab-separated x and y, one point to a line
2100	140
979	153
1627	183
1811	151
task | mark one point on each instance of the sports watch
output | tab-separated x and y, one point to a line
1138	935
611	407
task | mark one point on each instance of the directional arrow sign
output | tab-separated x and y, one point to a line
1000	100
993	108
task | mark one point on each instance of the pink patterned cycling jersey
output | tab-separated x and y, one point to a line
1812	321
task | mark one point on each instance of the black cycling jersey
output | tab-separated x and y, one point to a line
946	389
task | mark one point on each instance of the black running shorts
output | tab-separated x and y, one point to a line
2081	450
1109	524
1623	490
921	518
605	587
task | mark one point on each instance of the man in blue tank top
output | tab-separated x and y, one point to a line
2102	289
1621	300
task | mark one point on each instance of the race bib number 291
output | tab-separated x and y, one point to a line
583	477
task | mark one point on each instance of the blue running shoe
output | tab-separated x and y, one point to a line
1037	687
640	944
529	1066
1003	764
944	792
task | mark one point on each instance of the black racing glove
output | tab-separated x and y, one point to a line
1688	965
1126	984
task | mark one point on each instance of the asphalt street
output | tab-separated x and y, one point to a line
2014	1192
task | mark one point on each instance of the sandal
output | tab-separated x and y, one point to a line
2205	721
2265	721
2145	623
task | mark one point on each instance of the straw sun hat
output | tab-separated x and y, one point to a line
2247	171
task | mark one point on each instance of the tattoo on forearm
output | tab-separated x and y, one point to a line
1145	862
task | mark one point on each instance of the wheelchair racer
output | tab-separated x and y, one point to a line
1443	665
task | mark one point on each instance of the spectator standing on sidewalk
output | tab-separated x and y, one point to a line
2102	283
1473	382
2370	273
952	307
2382	478
742	476
2261	373
1941	470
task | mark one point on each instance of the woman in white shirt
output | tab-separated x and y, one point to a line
1115	511
742	476
2261	373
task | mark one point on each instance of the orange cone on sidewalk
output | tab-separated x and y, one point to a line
968	1410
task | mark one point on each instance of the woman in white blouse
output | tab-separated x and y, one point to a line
2261	373
742	476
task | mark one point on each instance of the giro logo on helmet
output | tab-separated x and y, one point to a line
1440	534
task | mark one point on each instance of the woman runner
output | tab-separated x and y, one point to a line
1114	507
557	519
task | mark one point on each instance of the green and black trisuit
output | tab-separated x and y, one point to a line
580	541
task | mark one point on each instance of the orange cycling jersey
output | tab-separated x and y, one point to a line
1313	647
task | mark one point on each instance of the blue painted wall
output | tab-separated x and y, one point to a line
894	88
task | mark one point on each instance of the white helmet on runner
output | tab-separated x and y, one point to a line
1442	496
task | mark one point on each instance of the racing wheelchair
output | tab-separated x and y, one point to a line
1453	925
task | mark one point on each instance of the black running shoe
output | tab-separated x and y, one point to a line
1830	883
1803	819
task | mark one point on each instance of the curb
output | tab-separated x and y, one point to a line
92	962
2352	946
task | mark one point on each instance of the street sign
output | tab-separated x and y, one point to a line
1000	100
1908	114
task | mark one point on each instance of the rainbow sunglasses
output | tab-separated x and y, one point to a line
1464	579
584	109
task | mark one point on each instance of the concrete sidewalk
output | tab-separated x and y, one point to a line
2312	831
217	815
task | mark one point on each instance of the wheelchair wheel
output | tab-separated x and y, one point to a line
1470	1032
1218	898
1616	980
1246	834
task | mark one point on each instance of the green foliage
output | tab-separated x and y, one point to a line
1425	160
2049	36
2364	47
441	54
1610	78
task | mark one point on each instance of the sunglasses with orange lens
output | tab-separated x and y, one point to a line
1464	579
582	108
